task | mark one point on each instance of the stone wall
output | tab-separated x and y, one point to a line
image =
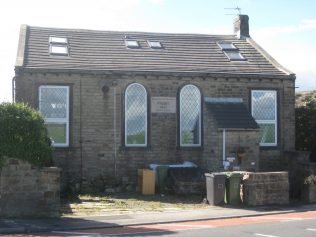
26	191
299	168
92	133
266	188
247	141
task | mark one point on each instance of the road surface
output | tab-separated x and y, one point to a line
279	225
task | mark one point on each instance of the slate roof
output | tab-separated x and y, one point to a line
231	114
93	50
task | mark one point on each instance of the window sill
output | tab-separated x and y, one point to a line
264	148
190	148
61	148
134	148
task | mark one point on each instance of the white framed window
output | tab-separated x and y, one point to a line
131	43
135	115
58	45
154	44
59	49
190	116
58	40
227	45
54	107
264	111
234	55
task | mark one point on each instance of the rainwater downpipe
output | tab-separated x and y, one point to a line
13	89
80	133
224	149
114	83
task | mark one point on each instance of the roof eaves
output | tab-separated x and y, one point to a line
21	47
154	72
274	62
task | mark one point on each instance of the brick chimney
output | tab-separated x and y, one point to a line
241	26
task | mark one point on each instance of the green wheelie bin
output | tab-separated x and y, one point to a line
233	182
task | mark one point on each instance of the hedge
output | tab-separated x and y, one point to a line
23	135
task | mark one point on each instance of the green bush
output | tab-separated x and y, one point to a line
305	122
23	135
310	180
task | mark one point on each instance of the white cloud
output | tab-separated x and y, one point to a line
305	24
290	46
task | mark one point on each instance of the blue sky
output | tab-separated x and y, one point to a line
285	28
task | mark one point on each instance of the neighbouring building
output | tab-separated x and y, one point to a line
114	102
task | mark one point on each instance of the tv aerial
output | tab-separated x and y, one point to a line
237	9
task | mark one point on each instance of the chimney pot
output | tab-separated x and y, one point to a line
241	26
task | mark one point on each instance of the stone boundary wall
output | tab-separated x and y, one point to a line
27	191
299	168
266	188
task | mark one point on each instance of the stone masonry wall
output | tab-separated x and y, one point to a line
248	142
92	133
26	191
266	188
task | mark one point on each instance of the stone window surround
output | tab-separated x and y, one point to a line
147	119
274	145
52	120
190	146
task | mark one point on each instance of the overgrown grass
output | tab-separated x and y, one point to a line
128	203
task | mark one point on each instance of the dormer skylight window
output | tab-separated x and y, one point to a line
131	43
58	45
155	44
226	46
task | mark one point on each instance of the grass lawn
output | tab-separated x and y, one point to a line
121	203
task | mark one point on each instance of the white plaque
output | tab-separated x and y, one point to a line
163	105
230	159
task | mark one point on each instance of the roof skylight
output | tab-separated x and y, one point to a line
58	45
234	55
131	43
58	40
59	49
226	46
154	44
231	51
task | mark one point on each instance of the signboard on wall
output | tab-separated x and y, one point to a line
165	105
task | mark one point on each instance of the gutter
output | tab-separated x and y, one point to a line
119	72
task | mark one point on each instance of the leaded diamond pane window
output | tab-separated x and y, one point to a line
135	115
53	102
264	105
54	106
190	116
264	110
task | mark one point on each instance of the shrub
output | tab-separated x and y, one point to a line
305	123
310	180
23	135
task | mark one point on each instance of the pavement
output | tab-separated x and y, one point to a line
106	221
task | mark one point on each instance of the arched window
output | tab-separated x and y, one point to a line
190	116
135	115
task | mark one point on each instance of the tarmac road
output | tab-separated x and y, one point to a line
277	225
